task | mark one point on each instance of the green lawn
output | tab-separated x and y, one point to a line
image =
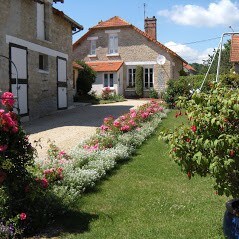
148	197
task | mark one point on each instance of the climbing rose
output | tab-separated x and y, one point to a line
3	148
23	216
194	128
44	183
8	99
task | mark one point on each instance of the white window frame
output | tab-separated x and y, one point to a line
133	71
113	44
108	80
150	83
41	33
93	47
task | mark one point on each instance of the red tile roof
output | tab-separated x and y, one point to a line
119	22
105	66
188	67
77	66
112	22
235	48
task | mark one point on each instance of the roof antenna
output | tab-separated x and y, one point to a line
231	28
144	10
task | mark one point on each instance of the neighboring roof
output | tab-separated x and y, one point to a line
73	23
119	22
188	67
77	66
235	48
105	66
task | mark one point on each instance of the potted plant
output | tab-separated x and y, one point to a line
209	145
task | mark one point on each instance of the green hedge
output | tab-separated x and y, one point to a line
139	87
186	84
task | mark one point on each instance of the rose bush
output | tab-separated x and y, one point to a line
210	144
26	199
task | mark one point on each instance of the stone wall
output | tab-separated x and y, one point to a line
133	47
18	19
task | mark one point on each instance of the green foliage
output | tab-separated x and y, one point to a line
200	68
184	86
182	72
153	94
139	86
85	79
210	144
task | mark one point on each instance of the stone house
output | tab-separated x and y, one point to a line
234	55
189	69
37	38
114	48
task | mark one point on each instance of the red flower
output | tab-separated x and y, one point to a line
194	128
44	183
188	140
8	99
232	153
23	216
189	175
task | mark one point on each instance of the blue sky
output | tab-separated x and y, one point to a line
178	22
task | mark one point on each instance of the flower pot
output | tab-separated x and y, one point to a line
231	219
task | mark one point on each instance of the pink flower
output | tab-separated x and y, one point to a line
123	117
8	99
132	123
145	115
44	183
23	216
133	115
116	123
125	128
3	148
104	127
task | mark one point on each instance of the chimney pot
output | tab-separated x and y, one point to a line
150	27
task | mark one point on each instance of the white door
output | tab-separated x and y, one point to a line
18	55
61	83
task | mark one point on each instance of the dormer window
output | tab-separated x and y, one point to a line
93	41
113	42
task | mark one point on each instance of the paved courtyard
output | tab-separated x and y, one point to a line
69	127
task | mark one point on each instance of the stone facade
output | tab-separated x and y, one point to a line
18	25
134	49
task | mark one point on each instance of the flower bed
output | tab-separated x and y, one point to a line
114	141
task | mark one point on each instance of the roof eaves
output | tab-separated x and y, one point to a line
73	23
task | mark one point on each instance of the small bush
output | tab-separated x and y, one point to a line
139	86
153	94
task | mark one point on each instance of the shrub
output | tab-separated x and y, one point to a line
139	87
153	94
209	145
85	79
107	93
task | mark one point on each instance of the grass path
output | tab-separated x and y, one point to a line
148	197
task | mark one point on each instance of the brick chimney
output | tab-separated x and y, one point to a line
150	27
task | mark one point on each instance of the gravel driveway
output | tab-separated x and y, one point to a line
69	127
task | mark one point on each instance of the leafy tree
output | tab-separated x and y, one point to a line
139	87
225	65
85	79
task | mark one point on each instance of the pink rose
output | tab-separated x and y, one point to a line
23	216
8	99
3	148
116	123
44	183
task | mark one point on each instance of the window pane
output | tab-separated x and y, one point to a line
151	77
111	80
146	78
134	70
41	64
105	80
93	47
116	44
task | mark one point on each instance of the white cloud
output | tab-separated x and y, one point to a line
189	54
223	12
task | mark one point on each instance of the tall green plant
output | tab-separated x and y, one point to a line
139	78
86	78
